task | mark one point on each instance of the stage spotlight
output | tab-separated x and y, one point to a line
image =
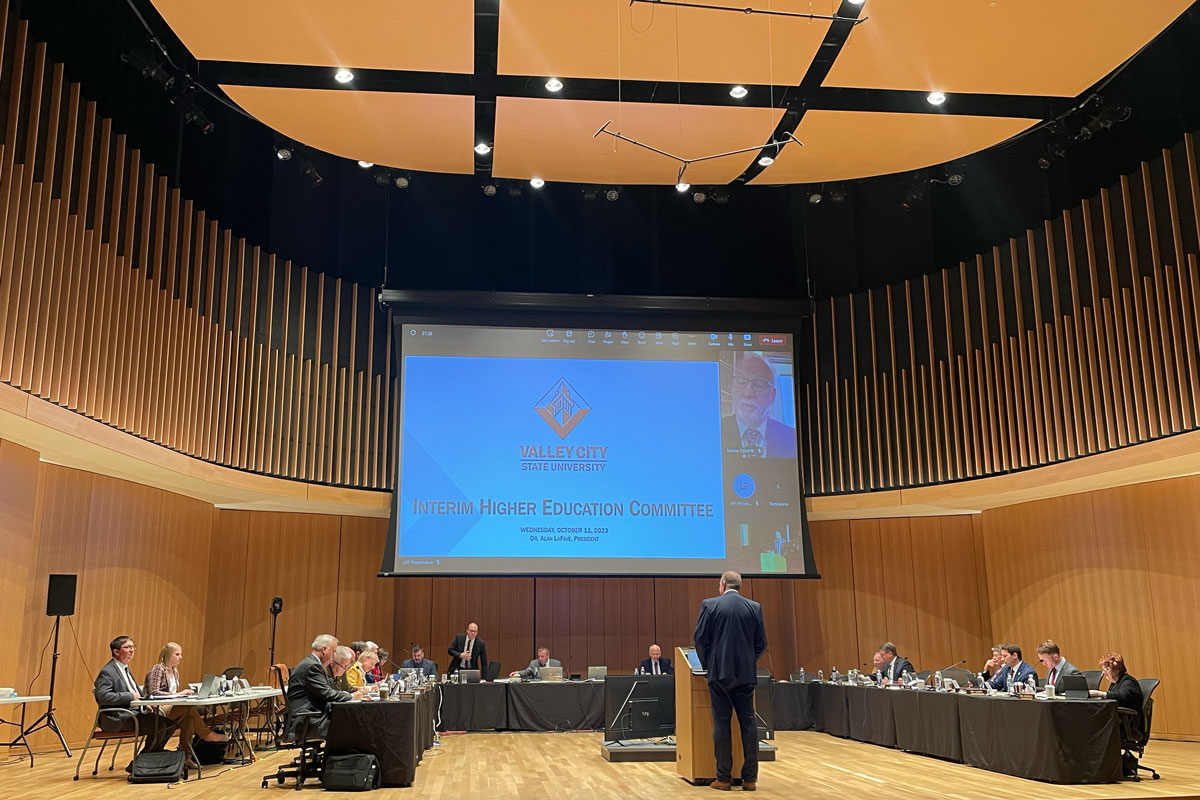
682	187
916	194
401	181
699	196
766	161
195	116
366	164
738	92
283	152
489	190
483	149
536	182
146	61
815	197
554	85
936	98
343	75
612	195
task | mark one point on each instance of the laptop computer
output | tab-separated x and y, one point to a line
208	687
597	673
1073	687
550	674
468	676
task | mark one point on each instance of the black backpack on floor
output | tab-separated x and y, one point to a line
161	766
353	772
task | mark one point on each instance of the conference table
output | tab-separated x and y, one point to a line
20	726
522	706
238	703
1059	741
397	732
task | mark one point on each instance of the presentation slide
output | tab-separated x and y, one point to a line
596	451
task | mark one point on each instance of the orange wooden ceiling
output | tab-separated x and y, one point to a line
1029	48
1025	47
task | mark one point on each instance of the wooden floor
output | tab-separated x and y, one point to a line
569	765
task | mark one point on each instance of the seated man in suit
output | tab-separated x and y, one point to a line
419	662
543	660
467	651
1014	669
1056	666
115	687
310	687
993	665
894	665
657	663
751	431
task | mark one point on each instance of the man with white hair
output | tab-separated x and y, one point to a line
750	431
311	689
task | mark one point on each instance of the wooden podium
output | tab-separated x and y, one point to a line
694	758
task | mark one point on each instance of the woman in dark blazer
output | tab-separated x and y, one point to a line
1123	687
163	678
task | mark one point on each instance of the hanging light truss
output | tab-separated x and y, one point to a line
749	10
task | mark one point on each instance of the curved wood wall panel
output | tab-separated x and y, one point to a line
1073	338
123	302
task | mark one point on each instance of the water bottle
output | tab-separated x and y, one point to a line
937	680
1031	684
879	677
820	676
834	676
802	674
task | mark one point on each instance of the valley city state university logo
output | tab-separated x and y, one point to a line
562	408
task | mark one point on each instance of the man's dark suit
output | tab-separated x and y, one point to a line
478	654
111	690
895	670
780	440
730	637
311	689
664	666
426	667
1020	675
1064	668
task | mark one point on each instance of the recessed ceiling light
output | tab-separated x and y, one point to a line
738	92
366	164
682	187
554	85
343	75
483	149
283	153
612	195
489	190
401	181
857	2
936	98
815	198
536	182
766	161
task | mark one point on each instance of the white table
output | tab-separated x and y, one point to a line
238	732
20	726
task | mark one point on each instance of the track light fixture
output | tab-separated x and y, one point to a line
343	75
720	195
746	10
146	61
490	189
283	152
309	172
612	194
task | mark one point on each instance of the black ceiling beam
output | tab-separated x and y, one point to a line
487	45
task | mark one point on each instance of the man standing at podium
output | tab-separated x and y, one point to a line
729	638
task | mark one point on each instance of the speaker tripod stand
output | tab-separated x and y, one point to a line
48	720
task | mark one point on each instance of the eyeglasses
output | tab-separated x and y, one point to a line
760	385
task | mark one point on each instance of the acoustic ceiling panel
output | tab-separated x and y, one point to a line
841	145
553	139
1025	47
616	40
427	132
368	34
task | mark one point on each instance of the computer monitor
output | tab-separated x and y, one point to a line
1074	687
597	673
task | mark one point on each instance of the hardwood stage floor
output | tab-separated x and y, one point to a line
569	765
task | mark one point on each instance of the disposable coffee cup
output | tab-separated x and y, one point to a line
384	692
1050	690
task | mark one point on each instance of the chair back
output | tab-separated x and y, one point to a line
923	676
1093	678
280	674
962	677
1148	686
493	670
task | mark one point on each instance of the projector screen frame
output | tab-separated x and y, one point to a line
549	310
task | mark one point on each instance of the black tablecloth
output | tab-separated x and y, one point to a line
1064	741
794	706
927	723
833	708
474	707
396	732
552	706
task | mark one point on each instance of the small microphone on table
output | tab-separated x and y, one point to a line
952	666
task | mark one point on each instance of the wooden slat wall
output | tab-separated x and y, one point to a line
1073	338
122	301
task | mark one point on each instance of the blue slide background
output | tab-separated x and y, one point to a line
465	420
